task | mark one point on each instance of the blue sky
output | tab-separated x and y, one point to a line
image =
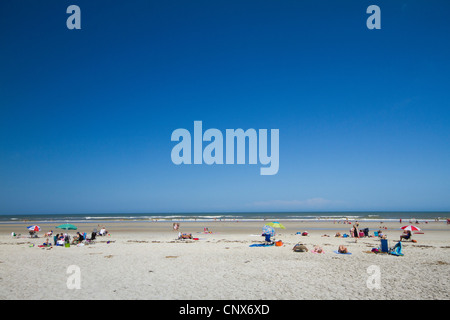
86	115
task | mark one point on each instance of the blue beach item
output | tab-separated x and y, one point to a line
335	251
397	249
384	245
261	245
268	230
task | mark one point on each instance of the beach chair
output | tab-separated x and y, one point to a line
384	246
375	233
92	239
33	234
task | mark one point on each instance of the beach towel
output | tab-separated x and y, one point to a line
261	245
335	251
397	249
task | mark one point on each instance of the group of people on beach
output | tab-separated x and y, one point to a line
355	233
63	239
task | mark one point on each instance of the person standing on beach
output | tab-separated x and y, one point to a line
355	231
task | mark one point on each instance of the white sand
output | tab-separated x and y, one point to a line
143	261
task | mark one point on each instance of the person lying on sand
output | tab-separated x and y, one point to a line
342	249
317	249
185	236
300	248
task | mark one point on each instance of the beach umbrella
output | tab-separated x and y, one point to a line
276	225
411	228
34	228
67	226
268	230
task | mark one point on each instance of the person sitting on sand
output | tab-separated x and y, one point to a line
267	239
338	235
185	236
299	247
60	242
342	249
206	230
76	239
406	235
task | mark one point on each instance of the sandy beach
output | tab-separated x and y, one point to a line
144	260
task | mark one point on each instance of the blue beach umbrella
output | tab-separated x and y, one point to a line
268	230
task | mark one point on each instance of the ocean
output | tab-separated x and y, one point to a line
240	216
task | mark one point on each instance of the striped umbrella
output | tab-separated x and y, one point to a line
34	228
411	228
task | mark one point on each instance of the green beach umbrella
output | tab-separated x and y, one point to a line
67	226
276	225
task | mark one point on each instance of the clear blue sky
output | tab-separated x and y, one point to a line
86	115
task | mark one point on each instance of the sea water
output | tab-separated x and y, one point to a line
231	216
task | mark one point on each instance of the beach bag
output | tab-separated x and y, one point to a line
279	243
